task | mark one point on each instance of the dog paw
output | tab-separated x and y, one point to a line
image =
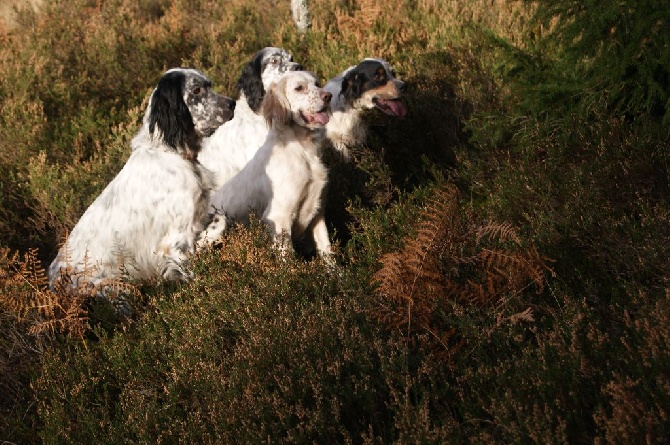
212	232
178	274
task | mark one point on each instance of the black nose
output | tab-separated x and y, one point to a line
297	67
227	102
402	86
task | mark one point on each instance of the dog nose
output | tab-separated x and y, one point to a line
227	102
402	86
296	67
326	96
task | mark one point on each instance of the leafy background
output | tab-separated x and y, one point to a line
502	251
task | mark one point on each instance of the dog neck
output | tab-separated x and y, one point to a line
307	137
242	106
190	154
190	149
346	127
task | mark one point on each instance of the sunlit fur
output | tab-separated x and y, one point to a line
236	142
370	84
144	223
284	182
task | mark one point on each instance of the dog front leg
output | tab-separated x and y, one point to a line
173	262
281	231
321	238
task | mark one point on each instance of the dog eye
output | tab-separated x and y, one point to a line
274	60
300	88
380	76
197	91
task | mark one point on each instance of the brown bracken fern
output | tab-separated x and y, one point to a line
452	260
24	294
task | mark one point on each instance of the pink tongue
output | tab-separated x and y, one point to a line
397	107
321	118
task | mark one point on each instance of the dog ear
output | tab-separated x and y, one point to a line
170	114
250	83
276	108
351	85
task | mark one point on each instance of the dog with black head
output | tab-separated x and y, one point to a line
143	225
372	84
229	149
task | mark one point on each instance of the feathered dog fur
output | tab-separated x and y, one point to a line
370	84
229	149
284	182
144	223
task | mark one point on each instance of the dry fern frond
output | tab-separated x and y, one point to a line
452	259
25	295
499	232
411	282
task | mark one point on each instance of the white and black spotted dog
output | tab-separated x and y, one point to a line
145	222
229	149
283	183
370	84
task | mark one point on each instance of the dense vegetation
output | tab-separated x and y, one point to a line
502	252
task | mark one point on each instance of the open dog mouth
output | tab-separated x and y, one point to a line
320	118
392	107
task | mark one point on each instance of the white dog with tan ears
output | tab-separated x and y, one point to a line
284	182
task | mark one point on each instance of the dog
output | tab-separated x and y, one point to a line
144	224
370	84
284	182
232	145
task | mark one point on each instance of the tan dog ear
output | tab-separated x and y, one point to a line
276	108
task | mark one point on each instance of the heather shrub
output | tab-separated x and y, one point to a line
638	390
273	348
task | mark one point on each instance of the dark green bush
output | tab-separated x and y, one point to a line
594	57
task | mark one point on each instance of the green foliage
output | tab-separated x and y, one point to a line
612	56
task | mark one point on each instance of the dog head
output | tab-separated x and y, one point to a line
372	83
297	98
184	108
264	68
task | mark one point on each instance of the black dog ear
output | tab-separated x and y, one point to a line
250	83
170	114
351	85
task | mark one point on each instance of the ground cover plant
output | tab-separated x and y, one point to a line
502	251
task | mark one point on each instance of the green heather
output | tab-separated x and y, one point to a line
503	252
